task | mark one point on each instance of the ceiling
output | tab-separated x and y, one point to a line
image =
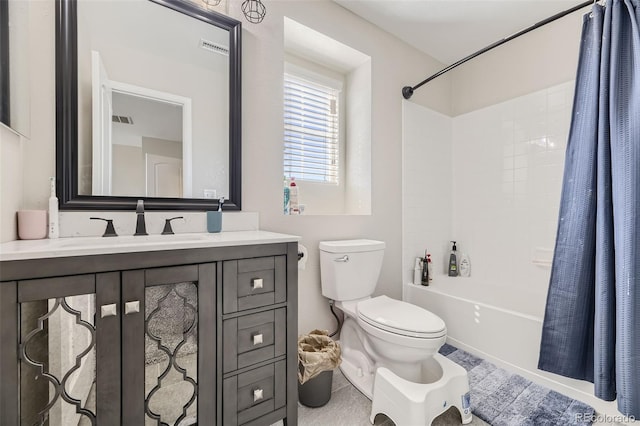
449	30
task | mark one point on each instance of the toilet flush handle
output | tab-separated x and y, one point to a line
344	258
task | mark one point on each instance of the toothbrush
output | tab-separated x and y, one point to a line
220	203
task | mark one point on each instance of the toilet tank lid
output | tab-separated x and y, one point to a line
351	246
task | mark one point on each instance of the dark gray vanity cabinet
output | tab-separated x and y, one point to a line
201	336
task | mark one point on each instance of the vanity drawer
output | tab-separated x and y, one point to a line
253	394
252	283
253	338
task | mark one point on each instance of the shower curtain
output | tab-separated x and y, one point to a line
591	327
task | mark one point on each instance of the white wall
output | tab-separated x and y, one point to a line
394	65
129	178
535	61
11	183
507	176
489	179
358	156
27	163
427	188
19	66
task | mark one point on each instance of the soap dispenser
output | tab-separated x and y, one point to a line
453	261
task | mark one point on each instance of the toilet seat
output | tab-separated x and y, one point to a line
400	318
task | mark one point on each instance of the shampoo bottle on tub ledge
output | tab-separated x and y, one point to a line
465	265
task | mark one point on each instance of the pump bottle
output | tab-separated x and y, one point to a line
453	261
425	270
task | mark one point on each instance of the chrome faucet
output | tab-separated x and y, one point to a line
141	228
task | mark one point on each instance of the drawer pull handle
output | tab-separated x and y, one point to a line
108	310
258	394
257	283
132	307
257	339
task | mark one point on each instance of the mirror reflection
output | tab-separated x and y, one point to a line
15	108
153	97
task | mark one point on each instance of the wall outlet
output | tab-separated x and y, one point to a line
210	194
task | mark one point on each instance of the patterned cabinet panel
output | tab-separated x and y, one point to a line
169	341
68	358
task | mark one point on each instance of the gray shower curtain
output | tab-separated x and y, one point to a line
591	327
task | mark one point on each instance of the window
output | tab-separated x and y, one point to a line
311	130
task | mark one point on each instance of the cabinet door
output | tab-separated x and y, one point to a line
68	358
168	345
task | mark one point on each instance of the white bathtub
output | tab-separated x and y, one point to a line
506	337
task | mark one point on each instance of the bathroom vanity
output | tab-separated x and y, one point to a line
179	330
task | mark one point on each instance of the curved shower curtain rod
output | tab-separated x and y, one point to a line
407	91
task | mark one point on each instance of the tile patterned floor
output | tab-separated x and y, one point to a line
349	407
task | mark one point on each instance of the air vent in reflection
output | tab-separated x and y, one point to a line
122	119
214	47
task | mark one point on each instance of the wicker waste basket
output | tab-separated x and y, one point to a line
318	356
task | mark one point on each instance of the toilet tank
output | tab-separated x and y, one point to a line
349	269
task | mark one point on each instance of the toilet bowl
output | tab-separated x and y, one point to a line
383	332
380	333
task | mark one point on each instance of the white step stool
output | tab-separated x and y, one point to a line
413	404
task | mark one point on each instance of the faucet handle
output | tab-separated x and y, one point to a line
167	225
110	231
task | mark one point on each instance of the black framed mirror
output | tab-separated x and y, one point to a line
180	148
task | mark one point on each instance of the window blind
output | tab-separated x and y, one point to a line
311	131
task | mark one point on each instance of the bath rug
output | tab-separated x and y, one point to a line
501	398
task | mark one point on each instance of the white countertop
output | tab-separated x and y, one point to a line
86	246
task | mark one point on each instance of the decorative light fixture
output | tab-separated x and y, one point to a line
254	11
211	3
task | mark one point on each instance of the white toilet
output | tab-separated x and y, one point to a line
414	384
